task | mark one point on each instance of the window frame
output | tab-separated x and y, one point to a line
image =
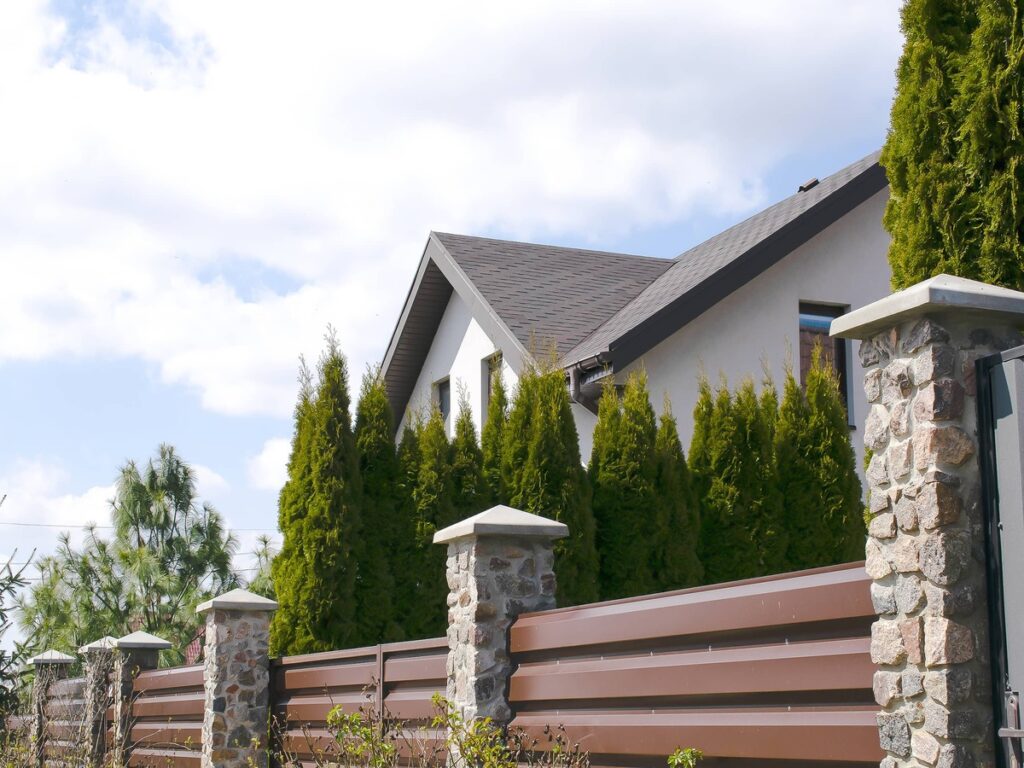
841	351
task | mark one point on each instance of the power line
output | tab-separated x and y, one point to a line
110	527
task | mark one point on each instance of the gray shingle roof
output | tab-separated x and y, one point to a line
544	293
700	264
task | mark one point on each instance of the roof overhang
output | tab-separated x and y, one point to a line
438	277
764	254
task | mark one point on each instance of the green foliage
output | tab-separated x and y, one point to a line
685	758
315	575
836	466
386	590
677	537
11	580
492	440
262	583
543	474
955	152
623	474
168	553
433	496
470	494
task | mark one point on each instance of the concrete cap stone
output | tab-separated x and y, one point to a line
143	640
237	600
104	643
51	657
936	296
503	521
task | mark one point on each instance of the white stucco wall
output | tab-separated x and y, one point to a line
459	347
844	264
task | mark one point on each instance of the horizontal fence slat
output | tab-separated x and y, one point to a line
178	706
172	758
811	736
771	669
173	677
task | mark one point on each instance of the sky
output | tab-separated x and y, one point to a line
191	192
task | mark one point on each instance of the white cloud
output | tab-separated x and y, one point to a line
145	182
268	470
208	482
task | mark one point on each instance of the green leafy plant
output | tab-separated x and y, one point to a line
685	758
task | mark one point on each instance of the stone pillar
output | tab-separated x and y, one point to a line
133	654
236	723
500	564
98	668
926	546
49	666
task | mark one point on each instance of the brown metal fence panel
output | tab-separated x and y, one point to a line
65	718
769	672
167	717
395	681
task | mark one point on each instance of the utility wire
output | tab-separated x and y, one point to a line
110	527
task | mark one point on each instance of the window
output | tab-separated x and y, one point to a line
490	367
443	399
815	320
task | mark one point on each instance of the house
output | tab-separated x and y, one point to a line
760	293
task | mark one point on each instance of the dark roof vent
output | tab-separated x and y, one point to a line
809	184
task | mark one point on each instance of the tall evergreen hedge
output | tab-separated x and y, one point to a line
434	510
315	577
492	439
469	491
677	536
543	475
623	475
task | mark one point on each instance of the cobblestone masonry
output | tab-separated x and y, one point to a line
237	673
127	664
45	675
492	580
925	549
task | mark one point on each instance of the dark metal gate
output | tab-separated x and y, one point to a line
1001	435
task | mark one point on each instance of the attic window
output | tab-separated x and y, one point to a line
809	184
443	399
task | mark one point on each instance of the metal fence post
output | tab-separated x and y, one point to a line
926	548
49	666
236	718
500	564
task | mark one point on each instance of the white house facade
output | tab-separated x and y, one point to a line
754	298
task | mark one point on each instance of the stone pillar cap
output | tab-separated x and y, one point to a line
107	643
237	600
142	640
503	521
939	295
51	657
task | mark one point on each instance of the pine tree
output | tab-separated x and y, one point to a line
434	510
677	563
929	192
835	468
492	439
623	472
544	476
991	142
469	492
386	590
317	587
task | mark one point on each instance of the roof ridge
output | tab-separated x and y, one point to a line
553	247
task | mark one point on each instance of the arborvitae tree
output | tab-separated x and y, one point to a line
803	516
387	588
285	633
623	471
434	511
991	136
772	531
835	468
729	547
676	562
411	560
317	589
492	439
469	492
543	475
930	194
